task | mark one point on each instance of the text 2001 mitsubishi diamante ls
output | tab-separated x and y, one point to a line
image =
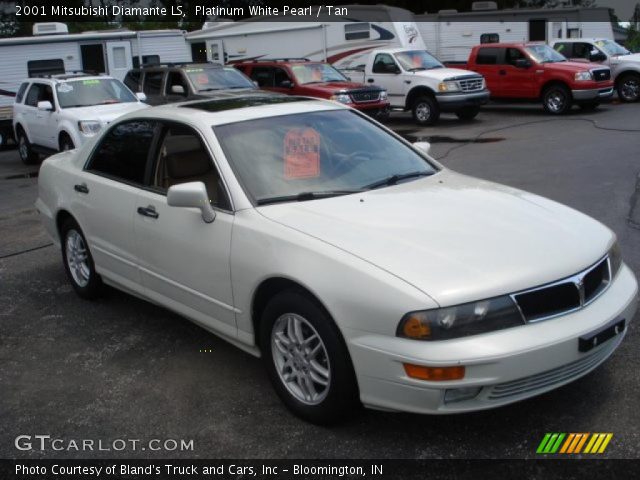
360	269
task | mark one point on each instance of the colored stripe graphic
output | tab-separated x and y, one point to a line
573	443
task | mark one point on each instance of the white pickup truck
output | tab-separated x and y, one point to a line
625	66
417	81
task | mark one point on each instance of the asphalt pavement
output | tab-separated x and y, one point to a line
122	368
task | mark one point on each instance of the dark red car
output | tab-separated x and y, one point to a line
299	76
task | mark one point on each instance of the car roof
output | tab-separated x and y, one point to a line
574	40
65	77
235	109
177	66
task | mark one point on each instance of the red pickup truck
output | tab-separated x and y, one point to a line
536	72
299	76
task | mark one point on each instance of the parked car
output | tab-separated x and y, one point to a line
625	66
417	82
359	268
188	81
316	79
62	112
536	72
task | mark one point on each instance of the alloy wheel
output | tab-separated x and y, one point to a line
423	112
300	358
77	258
23	149
630	89
556	101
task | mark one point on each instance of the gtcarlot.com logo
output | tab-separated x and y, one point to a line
574	443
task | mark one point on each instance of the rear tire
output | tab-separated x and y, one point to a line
425	110
556	99
628	87
78	262
307	360
468	113
27	155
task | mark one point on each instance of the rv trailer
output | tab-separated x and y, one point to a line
327	39
450	34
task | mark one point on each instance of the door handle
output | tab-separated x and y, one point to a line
81	188
370	80
502	72
149	211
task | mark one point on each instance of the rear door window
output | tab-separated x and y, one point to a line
263	75
488	56
153	83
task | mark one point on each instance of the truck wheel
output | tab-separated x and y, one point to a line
556	99
468	113
425	111
66	143
306	359
27	155
629	87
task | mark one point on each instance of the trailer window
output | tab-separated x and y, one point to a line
489	38
487	56
38	68
356	31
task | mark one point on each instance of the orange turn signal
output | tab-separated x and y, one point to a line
416	327
434	374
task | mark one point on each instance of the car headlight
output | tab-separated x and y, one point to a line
615	260
583	76
448	86
383	95
89	127
340	97
461	320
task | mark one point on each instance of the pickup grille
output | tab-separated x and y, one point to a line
565	295
363	96
471	84
601	74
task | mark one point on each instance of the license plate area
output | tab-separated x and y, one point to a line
593	339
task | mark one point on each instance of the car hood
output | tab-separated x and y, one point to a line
105	113
234	92
445	73
571	66
337	86
634	57
456	238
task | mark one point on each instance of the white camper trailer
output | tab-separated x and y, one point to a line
450	35
53	50
365	28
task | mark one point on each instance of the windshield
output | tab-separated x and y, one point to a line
205	79
316	73
417	60
319	152
612	48
94	91
544	54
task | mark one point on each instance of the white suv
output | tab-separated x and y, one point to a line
60	112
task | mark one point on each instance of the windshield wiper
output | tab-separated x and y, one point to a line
394	179
209	89
415	69
303	196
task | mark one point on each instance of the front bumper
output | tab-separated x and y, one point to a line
592	94
451	102
508	365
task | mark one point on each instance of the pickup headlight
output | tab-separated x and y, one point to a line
448	87
583	76
340	97
383	95
461	320
89	127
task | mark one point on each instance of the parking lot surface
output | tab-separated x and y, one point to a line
122	368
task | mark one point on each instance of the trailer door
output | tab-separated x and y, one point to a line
119	60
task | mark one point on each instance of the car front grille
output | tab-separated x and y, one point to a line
564	296
551	378
473	84
602	74
363	96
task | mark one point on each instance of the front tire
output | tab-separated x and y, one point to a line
27	155
468	113
425	110
629	87
556	99
66	143
306	359
78	262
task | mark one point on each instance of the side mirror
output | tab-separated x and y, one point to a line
177	89
597	57
45	106
423	146
523	63
192	195
141	96
286	84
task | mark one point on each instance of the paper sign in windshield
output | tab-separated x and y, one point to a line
301	153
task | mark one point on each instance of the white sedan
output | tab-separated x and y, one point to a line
360	269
